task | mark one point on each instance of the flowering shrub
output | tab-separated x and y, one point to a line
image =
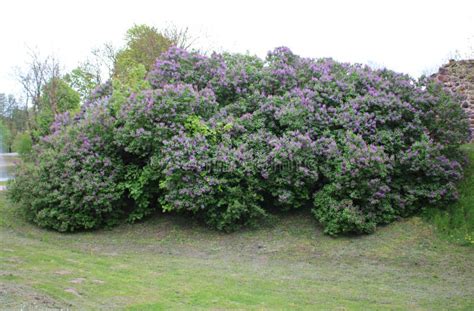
226	138
145	123
211	178
74	180
356	196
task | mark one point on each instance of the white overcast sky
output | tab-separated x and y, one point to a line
406	36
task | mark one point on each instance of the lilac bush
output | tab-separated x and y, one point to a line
211	178
356	196
73	182
144	124
227	138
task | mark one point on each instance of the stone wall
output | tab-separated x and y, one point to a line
458	76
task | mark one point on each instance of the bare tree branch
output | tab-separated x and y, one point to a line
181	37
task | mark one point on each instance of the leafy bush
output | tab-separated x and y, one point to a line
211	178
146	122
73	182
227	138
23	144
356	196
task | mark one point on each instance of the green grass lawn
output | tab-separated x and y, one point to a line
172	263
167	263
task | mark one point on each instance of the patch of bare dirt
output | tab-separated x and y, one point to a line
20	297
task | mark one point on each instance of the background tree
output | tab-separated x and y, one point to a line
17	114
57	97
23	144
104	59
180	37
38	72
84	79
143	46
47	93
5	138
13	116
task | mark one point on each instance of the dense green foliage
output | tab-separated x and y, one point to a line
57	97
227	138
83	79
13	118
5	137
23	144
143	45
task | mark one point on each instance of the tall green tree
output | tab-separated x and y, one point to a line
56	97
13	116
143	46
84	79
5	138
